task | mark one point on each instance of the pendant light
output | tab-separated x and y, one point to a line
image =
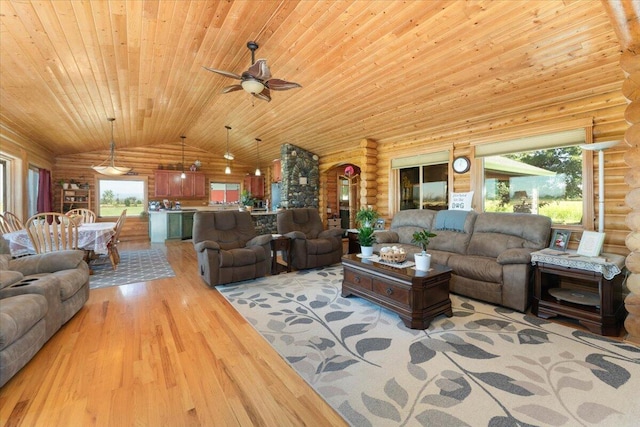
227	170
183	175
258	140
108	167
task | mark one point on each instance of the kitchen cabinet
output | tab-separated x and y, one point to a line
255	186
276	175
170	225
168	184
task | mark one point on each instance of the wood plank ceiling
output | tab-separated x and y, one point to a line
386	70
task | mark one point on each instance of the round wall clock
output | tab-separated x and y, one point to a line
461	164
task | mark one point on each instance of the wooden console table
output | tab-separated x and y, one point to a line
582	288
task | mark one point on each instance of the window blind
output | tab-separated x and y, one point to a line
434	158
530	143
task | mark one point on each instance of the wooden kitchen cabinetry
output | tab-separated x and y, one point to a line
255	186
169	184
276	175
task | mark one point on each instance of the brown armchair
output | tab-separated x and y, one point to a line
228	248
311	245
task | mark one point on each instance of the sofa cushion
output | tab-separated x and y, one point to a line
18	314
407	222
48	262
4	261
456	239
322	246
241	256
495	232
9	277
476	268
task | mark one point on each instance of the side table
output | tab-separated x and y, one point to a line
576	287
283	244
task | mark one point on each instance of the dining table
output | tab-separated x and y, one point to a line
92	237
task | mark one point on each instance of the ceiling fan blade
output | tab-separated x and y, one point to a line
224	73
265	95
231	88
277	84
259	70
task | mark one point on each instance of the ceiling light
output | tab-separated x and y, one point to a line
108	167
258	173
228	155
183	175
252	86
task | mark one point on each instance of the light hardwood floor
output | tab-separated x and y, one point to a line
170	352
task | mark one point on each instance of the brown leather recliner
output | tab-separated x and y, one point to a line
311	245
228	248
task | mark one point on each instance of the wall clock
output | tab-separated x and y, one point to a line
461	164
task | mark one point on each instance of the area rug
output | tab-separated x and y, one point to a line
134	267
486	365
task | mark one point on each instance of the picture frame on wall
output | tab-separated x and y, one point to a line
591	243
560	240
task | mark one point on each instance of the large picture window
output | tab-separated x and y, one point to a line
537	178
423	181
117	194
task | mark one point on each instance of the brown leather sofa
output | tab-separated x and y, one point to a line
311	245
489	253
228	248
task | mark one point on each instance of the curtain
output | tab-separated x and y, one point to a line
45	195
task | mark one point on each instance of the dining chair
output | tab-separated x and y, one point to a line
9	222
87	215
112	246
52	231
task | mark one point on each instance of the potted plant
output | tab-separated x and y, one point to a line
246	200
366	238
422	239
366	217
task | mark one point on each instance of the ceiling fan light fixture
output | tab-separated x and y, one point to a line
108	167
252	86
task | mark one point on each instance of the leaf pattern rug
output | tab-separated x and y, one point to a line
486	365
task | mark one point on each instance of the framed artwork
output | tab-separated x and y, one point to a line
590	243
560	240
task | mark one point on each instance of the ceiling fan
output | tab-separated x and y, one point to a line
257	79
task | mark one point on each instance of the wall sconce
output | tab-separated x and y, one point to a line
303	180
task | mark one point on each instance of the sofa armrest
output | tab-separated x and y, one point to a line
296	235
387	236
515	256
47	263
206	244
49	287
336	233
260	240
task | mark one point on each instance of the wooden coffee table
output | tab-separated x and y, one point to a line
416	296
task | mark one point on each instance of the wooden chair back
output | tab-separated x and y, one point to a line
52	231
87	215
114	255
9	222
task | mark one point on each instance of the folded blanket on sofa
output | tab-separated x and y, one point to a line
452	220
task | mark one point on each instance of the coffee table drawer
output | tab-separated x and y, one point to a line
357	279
390	291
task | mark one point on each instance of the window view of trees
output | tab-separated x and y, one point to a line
546	182
116	195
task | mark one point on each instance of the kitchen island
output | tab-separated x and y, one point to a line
177	224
